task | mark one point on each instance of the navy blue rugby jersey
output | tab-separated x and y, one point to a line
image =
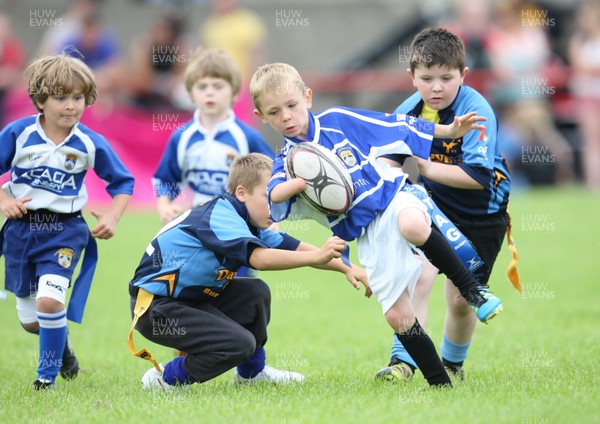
480	159
198	253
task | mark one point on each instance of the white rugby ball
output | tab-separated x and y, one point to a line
329	187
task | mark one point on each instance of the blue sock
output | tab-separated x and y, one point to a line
400	352
253	365
175	373
453	352
53	335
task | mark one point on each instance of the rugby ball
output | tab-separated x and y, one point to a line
329	187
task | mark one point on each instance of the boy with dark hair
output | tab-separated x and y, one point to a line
48	156
386	217
466	177
185	293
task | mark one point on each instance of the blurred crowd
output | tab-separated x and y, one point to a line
536	69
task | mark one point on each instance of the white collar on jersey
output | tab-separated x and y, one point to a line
42	133
221	126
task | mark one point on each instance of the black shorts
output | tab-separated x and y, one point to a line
487	235
216	334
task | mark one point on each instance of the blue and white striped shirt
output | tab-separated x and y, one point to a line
358	137
53	175
201	159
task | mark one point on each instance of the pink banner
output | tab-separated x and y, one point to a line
138	137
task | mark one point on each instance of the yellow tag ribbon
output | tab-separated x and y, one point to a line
142	304
513	274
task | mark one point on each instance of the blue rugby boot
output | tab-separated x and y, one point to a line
484	303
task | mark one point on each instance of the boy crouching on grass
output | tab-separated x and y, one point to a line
185	293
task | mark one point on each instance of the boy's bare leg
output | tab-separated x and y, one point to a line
415	340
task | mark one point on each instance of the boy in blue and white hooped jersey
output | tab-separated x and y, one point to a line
45	234
199	154
387	217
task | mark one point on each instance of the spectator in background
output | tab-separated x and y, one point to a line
584	57
241	33
471	23
159	57
519	52
99	47
70	25
12	60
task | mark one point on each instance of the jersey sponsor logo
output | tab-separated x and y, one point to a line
438	157
225	274
50	179
209	182
65	257
70	161
347	156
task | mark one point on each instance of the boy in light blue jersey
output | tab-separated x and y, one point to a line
42	240
386	216
197	304
466	177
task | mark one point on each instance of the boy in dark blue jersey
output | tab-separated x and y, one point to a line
388	217
185	293
466	177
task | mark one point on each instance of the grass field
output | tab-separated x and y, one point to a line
536	363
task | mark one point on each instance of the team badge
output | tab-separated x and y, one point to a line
229	159
65	257
70	161
347	156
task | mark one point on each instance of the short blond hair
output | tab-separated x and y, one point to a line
59	75
215	63
275	78
248	171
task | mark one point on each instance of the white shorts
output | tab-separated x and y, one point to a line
388	258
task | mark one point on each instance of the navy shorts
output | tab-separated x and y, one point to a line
41	244
487	235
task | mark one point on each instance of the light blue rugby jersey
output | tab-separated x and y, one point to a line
198	253
54	175
479	158
358	137
201	160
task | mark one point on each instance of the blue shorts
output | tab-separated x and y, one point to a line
33	247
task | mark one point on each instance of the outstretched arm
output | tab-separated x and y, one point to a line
354	274
460	126
278	259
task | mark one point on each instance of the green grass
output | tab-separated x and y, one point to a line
536	363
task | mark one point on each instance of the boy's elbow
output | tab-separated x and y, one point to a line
257	260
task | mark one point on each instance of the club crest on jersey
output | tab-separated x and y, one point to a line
229	159
65	257
70	161
347	156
